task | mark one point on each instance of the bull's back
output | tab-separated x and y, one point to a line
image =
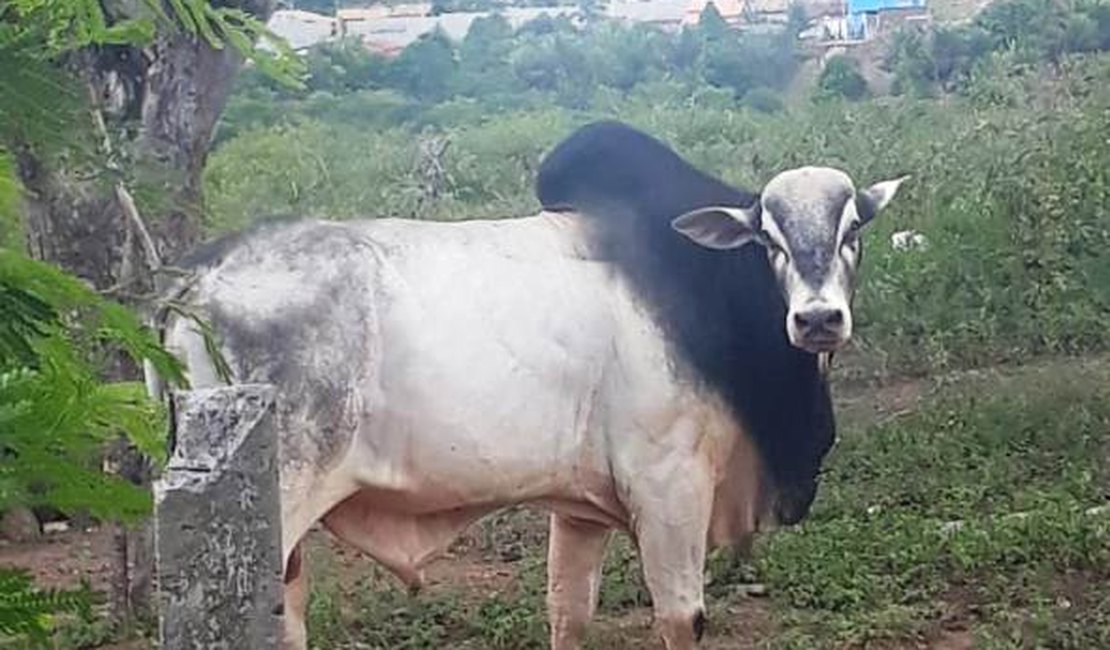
450	348
494	338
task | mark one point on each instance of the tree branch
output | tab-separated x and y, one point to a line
123	196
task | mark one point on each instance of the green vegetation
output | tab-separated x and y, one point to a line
880	558
546	63
949	58
26	610
841	78
55	412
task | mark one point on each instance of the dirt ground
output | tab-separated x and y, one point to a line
61	560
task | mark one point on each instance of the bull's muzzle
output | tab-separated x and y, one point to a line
820	329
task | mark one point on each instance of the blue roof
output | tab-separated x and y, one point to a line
862	6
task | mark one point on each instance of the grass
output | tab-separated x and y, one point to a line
878	564
880	559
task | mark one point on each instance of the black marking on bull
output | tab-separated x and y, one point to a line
721	310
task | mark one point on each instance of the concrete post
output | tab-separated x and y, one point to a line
218	524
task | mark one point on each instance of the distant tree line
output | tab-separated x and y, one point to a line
548	61
945	59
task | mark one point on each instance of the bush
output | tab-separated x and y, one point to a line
841	78
763	100
1044	30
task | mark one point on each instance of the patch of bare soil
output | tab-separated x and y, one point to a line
462	568
62	560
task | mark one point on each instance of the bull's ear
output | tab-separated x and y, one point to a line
870	201
720	227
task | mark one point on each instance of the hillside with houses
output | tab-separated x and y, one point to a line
388	28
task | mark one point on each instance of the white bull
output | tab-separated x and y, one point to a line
431	373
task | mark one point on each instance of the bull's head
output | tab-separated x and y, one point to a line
809	221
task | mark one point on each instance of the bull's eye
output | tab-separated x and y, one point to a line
777	252
851	236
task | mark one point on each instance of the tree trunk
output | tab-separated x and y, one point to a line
156	109
161	105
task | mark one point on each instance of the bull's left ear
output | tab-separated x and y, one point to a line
720	227
873	199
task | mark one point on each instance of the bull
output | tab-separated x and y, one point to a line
645	354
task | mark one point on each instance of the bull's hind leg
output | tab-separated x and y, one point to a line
574	555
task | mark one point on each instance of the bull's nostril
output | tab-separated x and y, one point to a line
819	319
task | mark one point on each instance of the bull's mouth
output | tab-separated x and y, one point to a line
821	343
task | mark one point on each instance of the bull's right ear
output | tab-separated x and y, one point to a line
720	227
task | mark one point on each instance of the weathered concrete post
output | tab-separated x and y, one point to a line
218	524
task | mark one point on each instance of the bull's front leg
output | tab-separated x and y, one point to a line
575	552
673	507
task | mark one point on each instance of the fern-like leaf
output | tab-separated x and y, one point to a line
27	611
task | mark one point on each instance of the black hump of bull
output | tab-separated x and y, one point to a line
722	310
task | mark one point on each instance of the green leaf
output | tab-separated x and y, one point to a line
10	191
27	611
136	31
184	15
208	20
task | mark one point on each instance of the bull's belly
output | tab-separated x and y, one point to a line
417	463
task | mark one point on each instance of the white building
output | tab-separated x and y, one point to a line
303	29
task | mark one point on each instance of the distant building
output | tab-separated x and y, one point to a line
361	14
826	28
389	29
668	15
766	11
869	18
303	29
813	9
378	11
732	11
747	15
389	35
